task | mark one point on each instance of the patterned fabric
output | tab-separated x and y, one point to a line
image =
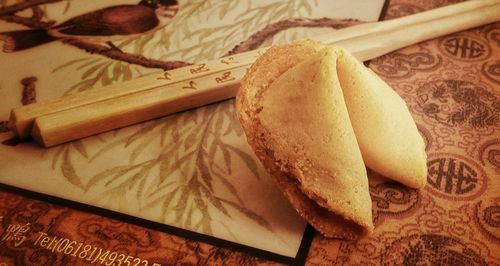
452	87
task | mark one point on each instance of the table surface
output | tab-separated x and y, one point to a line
452	87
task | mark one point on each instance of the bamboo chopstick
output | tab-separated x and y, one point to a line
88	113
407	33
114	113
389	25
22	118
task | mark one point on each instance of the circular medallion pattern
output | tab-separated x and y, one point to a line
489	153
455	177
491	69
487	218
464	47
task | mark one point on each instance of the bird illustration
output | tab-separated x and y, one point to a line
103	25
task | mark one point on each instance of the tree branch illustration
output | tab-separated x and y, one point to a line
35	22
117	54
253	42
9	10
258	38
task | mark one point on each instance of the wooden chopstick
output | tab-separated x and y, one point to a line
84	114
74	123
364	29
22	118
441	22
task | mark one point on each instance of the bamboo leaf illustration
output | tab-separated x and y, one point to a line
115	181
92	70
247	159
89	63
181	204
108	173
188	221
204	172
78	145
162	199
190	141
165	166
227	157
160	190
106	148
195	187
168	199
202	129
145	128
228	130
213	41
57	155
201	206
142	176
117	70
234	124
182	161
127	73
105	76
214	200
69	171
140	42
137	151
83	85
229	185
251	214
127	42
213	148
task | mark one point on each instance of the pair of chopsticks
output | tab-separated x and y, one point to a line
91	112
